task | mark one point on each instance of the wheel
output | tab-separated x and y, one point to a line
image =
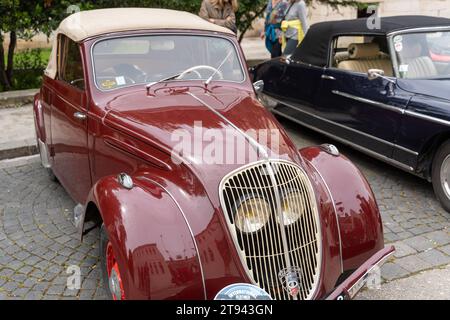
112	280
441	175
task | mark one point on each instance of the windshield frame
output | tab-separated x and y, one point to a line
393	53
161	33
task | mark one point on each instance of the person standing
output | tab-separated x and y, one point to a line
220	12
275	14
294	26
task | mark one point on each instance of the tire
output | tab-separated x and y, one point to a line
104	246
440	175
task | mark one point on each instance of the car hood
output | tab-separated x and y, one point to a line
171	114
433	88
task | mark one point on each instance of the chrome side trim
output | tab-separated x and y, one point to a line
422	29
351	144
325	77
371	102
426	117
43	150
190	230
344	127
335	211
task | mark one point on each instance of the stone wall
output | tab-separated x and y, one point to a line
319	12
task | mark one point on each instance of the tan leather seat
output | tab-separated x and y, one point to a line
363	57
422	67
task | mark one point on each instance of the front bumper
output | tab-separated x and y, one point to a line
358	279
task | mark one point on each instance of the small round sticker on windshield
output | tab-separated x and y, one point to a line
242	291
398	39
398	46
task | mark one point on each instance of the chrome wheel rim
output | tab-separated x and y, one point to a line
445	176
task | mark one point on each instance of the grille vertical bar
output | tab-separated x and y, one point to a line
283	185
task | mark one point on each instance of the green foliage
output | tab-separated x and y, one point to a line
31	59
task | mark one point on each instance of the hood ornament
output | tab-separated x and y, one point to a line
290	278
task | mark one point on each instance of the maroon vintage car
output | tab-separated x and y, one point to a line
123	88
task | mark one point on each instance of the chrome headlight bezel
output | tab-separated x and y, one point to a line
241	217
289	200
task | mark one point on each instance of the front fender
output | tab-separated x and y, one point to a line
360	225
152	241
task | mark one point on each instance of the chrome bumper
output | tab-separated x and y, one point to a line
358	279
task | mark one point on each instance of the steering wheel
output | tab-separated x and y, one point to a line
131	73
194	70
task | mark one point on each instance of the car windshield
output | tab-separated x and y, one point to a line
125	61
423	55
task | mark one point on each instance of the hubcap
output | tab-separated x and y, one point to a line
445	176
114	279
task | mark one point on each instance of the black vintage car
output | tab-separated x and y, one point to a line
385	91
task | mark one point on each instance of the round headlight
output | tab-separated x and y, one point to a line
252	215
292	208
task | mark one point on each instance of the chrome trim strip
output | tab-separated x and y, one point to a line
335	212
172	33
190	230
351	144
371	102
325	77
252	141
421	29
346	127
426	117
43	150
352	290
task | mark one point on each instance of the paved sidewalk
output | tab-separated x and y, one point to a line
255	50
427	285
17	138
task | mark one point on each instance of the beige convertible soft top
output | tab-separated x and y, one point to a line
85	24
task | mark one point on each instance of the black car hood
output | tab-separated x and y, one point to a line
433	88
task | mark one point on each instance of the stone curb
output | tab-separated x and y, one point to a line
18	98
17	151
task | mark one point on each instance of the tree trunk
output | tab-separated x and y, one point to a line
12	47
249	23
3	78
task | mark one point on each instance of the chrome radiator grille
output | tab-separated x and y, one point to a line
283	245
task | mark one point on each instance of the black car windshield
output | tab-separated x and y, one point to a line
424	55
125	61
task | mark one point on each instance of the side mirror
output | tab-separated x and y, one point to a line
375	74
259	86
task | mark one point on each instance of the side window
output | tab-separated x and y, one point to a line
70	65
361	53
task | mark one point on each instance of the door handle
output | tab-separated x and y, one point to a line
79	115
328	77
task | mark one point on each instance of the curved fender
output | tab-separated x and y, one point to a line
153	243
359	218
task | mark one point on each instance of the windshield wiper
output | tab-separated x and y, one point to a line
151	84
218	68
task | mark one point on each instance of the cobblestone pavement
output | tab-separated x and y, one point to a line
38	240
